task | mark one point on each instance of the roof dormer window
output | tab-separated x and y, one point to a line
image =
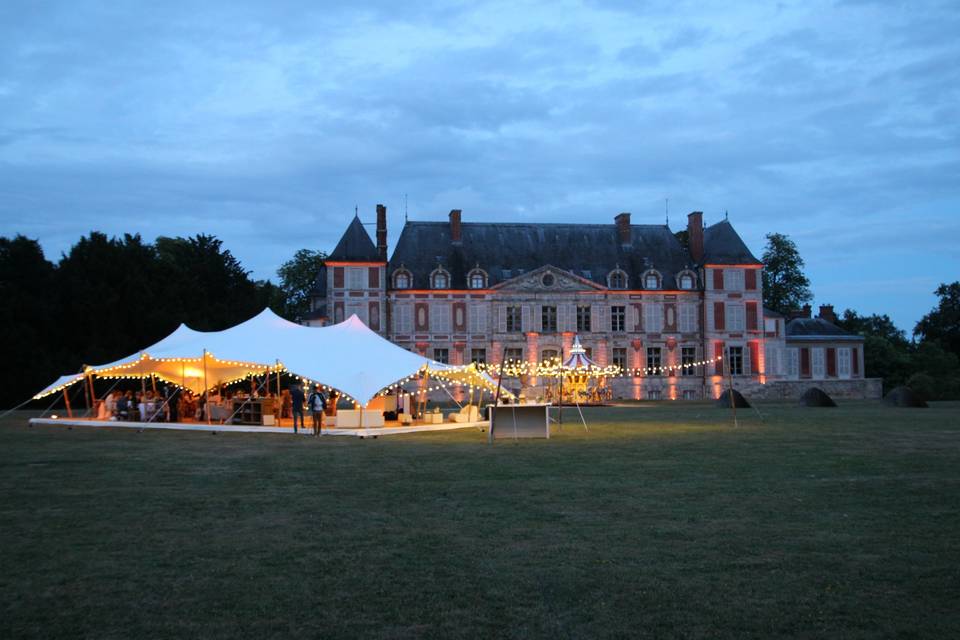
651	280
477	279
401	279
686	281
440	279
617	279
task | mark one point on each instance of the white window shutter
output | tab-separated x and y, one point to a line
525	318
537	318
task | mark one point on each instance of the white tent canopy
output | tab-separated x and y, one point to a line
347	356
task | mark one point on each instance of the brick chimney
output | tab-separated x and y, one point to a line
805	311
382	232
695	235
623	228
455	236
826	313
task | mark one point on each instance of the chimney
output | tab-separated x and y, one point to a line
382	232
695	236
455	237
805	311
826	313
623	227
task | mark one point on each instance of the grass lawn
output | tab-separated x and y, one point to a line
662	521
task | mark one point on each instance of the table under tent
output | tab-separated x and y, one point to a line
349	361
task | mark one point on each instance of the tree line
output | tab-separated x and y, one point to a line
108	297
928	361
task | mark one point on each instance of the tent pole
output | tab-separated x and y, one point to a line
733	402
86	391
206	390
93	393
66	398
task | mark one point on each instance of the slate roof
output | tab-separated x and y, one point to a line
507	250
817	329
723	245
355	245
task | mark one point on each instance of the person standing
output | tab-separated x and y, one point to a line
317	404
173	403
296	404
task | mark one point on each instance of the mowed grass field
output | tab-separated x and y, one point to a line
663	521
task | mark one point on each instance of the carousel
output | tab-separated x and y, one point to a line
579	380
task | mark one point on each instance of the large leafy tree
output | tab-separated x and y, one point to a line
942	324
297	277
886	350
785	287
30	341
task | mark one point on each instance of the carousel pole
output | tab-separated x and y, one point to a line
206	389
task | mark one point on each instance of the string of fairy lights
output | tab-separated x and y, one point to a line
429	380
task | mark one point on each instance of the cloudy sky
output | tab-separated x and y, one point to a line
837	123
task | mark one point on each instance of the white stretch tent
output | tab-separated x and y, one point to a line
347	356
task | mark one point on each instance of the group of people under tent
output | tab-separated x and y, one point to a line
172	403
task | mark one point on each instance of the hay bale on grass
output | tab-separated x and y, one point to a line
904	397
738	400
816	397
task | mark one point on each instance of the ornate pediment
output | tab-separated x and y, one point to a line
546	279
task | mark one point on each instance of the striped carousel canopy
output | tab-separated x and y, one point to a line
578	357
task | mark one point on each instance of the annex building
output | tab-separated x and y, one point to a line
635	295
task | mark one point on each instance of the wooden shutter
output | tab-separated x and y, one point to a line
373	277
525	318
831	362
719	317
750	279
373	313
502	318
718	279
855	361
804	362
718	354
338	277
751	314
755	357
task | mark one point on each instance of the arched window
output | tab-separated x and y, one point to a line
617	279
651	280
477	279
686	281
401	279
440	279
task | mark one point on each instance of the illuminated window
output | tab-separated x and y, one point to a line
651	280
686	281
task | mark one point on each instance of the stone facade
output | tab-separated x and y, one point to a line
635	296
